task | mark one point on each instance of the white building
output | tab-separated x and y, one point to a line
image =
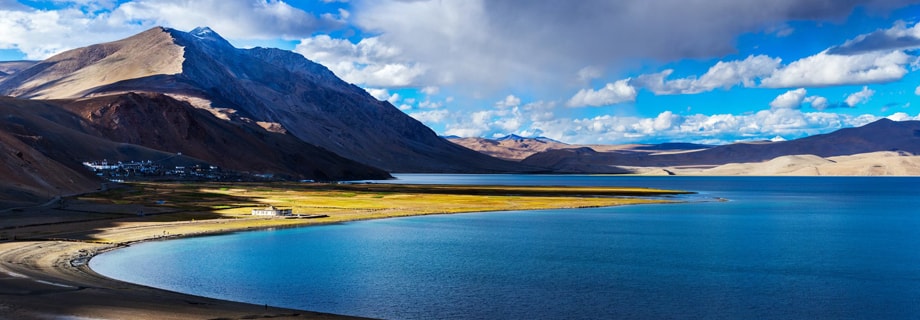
272	211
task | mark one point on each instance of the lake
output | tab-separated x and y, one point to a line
780	248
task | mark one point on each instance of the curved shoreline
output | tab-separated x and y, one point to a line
40	280
49	277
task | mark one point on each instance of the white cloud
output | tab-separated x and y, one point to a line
721	75
483	46
431	116
431	90
384	95
613	93
250	19
901	116
917	91
898	37
698	128
40	34
500	121
428	104
369	62
540	111
791	99
825	69
589	73
817	102
509	102
379	94
862	96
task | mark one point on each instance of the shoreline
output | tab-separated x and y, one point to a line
50	277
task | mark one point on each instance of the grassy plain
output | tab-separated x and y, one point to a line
195	208
232	203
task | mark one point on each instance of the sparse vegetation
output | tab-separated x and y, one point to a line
145	210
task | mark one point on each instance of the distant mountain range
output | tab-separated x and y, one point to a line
511	147
879	136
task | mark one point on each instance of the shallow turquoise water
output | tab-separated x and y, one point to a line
781	248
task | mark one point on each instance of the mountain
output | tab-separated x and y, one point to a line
881	163
277	89
514	137
511	147
44	143
42	147
163	123
11	67
574	160
882	135
516	148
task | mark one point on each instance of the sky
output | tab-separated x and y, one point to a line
587	71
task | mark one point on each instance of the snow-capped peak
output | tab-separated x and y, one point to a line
203	32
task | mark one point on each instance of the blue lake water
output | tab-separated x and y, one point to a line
781	248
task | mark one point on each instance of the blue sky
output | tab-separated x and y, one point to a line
591	71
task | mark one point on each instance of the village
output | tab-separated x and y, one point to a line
121	171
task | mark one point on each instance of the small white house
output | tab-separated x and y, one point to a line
272	211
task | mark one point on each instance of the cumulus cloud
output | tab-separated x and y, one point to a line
503	120
862	96
589	73
898	37
249	19
509	102
42	33
825	69
487	44
901	116
431	90
431	116
791	99
368	62
379	94
537	118
817	102
613	93
721	75
699	128
383	95
429	104
917	91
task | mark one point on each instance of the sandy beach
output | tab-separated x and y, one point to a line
44	250
51	279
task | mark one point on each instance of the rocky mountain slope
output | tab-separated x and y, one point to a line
278	89
163	123
43	144
511	147
41	150
10	67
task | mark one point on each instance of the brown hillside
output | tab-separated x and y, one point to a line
265	85
160	122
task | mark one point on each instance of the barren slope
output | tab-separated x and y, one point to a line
883	163
279	88
509	149
76	73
